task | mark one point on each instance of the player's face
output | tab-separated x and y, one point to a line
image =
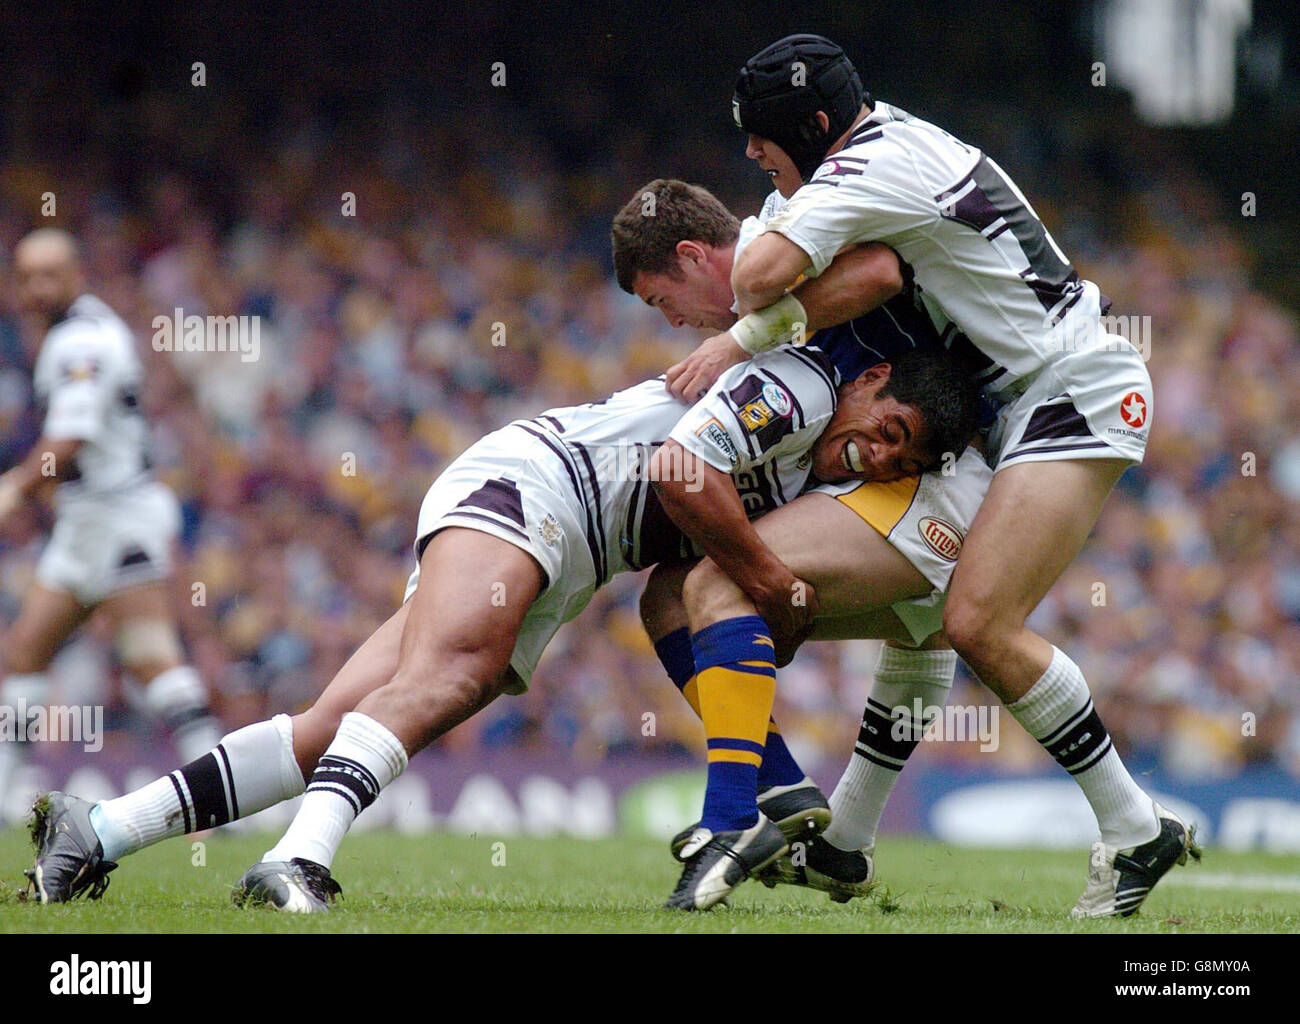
47	281
871	437
700	297
775	163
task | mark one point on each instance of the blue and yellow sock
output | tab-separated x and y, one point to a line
779	768
736	683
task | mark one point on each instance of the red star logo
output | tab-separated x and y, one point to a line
1133	409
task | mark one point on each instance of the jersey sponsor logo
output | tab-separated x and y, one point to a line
715	434
772	402
1133	410
941	537
756	415
777	398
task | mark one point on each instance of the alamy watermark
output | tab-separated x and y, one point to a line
952	723
194	333
53	723
1106	333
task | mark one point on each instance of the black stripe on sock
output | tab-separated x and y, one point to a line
1085	765
203	777
185	807
335	773
1077	744
230	778
887	735
866	754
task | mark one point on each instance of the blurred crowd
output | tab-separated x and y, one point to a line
471	285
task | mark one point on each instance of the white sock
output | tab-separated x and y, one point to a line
180	699
363	758
886	740
1058	712
248	771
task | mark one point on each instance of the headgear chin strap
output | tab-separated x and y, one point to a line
781	88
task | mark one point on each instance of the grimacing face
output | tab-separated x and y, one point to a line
700	296
871	437
776	163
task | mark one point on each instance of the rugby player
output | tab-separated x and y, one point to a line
1075	402
513	539
674	245
114	523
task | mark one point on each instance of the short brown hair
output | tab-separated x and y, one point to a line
658	216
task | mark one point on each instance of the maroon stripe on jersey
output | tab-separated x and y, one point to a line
500	496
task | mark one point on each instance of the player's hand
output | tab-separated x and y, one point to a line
787	649
789	610
695	374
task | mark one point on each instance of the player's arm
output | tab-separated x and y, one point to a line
856	282
766	269
48	460
703	503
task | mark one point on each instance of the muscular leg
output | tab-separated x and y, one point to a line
47	619
852	567
1034	520
263	763
453	660
664	617
149	645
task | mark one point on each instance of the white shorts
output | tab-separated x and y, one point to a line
106	543
1091	404
512	486
926	518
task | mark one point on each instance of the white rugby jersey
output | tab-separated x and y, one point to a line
88	377
979	253
758	423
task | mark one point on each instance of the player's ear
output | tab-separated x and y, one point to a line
690	252
823	122
877	374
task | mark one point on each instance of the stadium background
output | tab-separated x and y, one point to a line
479	204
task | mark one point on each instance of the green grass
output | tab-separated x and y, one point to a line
443	883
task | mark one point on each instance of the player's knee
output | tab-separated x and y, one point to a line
710	596
660	603
149	647
452	690
971	624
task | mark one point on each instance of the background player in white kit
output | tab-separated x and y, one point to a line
1075	401
114	523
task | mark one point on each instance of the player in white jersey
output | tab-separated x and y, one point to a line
513	539
1075	401
114	523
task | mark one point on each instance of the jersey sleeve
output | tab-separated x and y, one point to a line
77	386
847	202
777	403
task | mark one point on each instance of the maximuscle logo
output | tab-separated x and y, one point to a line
194	333
54	723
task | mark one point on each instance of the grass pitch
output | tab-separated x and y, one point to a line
444	883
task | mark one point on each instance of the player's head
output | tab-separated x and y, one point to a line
795	99
48	266
673	249
899	419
